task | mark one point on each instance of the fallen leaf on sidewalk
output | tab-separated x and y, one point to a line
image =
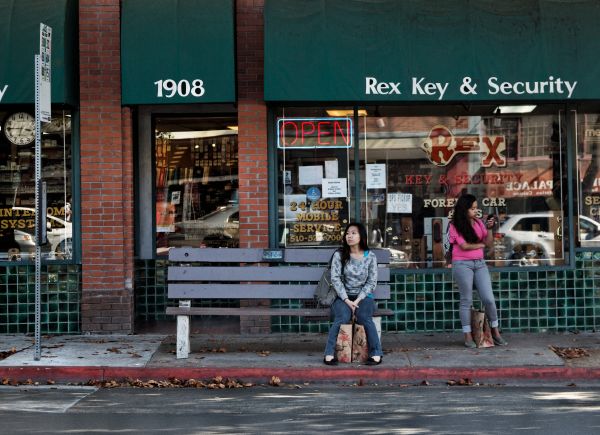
134	355
461	382
7	353
275	381
263	353
425	383
569	352
113	350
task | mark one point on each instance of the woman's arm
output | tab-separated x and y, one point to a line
371	281
336	276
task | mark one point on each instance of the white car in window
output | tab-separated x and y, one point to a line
59	234
529	237
219	228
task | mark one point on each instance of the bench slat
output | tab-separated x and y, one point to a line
254	291
254	273
253	255
217	255
252	311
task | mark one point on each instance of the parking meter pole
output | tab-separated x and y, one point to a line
38	248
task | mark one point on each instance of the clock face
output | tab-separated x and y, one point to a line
19	128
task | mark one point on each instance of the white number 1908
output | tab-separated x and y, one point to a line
169	88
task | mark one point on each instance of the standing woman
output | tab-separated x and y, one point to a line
354	277
469	236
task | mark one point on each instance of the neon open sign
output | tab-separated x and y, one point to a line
314	133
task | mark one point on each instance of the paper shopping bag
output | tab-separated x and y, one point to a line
343	345
480	329
360	348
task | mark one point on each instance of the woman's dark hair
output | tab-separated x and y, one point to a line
362	232
461	218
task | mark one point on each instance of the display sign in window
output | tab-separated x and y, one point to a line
17	185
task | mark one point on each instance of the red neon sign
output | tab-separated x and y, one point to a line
314	133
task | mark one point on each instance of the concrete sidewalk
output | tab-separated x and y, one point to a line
298	358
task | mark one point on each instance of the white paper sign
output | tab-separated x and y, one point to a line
293	205
45	73
375	175
310	175
331	168
335	187
399	203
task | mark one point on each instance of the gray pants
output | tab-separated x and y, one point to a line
469	272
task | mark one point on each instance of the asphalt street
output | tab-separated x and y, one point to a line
303	409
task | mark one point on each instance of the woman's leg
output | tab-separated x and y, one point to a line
463	275
364	316
341	314
483	282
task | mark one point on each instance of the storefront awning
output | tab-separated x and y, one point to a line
20	42
431	50
177	51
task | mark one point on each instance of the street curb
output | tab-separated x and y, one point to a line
264	374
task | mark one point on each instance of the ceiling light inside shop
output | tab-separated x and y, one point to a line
233	127
503	110
178	135
340	112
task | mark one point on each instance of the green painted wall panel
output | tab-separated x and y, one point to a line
179	40
20	41
324	50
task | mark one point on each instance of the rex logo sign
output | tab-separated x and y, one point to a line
441	146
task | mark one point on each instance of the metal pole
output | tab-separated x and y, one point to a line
38	248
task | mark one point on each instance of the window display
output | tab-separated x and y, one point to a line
429	161
406	173
196	182
588	167
17	186
315	155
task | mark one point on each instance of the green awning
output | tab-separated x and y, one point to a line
431	50
20	42
177	51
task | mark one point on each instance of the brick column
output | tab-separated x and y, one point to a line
106	174
253	151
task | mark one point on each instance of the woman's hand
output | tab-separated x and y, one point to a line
353	305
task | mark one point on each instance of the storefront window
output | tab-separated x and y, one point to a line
17	185
411	170
196	161
315	172
414	168
588	165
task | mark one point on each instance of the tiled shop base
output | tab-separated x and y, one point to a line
60	299
527	299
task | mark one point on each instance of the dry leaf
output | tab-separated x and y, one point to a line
569	352
275	381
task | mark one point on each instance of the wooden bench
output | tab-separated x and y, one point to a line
236	273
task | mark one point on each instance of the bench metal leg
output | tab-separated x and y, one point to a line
377	321
183	333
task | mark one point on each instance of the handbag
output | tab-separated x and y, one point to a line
351	344
480	329
448	247
325	293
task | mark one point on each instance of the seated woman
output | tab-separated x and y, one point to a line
354	277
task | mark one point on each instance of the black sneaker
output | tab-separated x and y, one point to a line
372	362
333	362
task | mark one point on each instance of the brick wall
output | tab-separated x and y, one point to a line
106	174
252	137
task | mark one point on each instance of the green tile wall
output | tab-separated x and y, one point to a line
60	299
527	299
